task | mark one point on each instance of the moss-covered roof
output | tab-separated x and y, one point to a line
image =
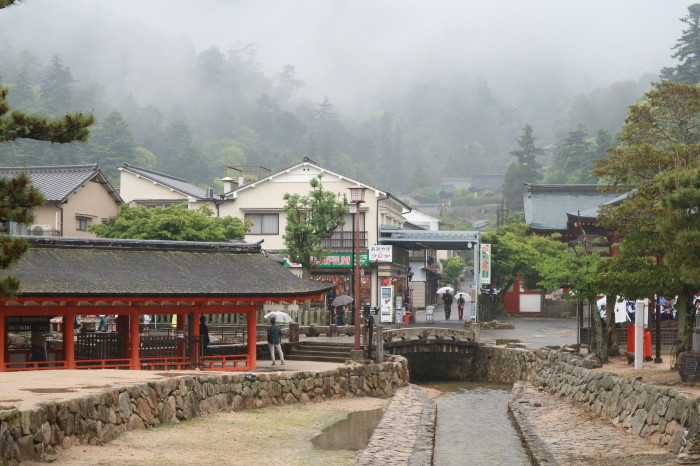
70	267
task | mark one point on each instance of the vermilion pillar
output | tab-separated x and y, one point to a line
252	338
69	340
134	341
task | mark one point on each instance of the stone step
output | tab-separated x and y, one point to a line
309	353
296	357
329	349
326	343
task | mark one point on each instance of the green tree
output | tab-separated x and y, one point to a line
516	253
577	270
111	144
17	196
452	269
310	219
175	223
657	158
574	159
525	169
687	51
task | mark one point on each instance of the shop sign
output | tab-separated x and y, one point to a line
485	264
386	294
380	253
333	260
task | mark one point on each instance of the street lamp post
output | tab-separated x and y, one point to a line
352	208
357	197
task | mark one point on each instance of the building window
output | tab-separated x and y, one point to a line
264	224
81	223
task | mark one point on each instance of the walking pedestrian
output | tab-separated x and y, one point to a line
447	302
274	340
204	333
460	306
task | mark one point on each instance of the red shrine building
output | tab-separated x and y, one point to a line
75	277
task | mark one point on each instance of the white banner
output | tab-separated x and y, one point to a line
485	264
380	253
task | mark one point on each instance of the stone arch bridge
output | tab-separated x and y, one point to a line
435	353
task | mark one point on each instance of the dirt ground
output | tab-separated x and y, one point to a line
652	373
279	435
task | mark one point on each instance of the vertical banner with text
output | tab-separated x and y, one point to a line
485	264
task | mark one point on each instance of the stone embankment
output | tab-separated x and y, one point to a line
661	416
557	432
406	433
37	433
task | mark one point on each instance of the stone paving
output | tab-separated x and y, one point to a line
556	432
405	434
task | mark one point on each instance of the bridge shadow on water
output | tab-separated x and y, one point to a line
436	353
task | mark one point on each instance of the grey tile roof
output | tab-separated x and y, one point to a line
55	183
547	206
177	184
95	267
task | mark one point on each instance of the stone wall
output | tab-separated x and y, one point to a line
659	415
36	434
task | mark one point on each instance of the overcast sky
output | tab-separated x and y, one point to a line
341	46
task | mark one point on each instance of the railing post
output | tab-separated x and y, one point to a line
380	343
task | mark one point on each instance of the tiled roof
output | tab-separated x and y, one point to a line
55	183
98	267
177	184
547	206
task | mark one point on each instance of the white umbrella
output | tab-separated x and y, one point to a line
463	294
444	289
601	302
342	300
279	316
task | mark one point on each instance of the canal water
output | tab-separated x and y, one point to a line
473	426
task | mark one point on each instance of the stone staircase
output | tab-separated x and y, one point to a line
321	351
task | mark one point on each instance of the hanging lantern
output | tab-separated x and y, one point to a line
385	281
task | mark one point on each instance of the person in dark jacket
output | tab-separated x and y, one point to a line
274	340
204	332
447	302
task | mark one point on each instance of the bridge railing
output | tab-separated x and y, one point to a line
429	333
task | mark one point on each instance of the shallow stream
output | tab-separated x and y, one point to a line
473	426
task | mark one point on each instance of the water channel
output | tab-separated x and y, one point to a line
473	426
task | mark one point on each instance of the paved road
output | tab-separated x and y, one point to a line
533	331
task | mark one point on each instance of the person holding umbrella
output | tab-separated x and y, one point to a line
274	340
447	302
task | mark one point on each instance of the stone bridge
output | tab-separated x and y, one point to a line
435	353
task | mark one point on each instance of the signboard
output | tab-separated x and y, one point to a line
340	260
485	264
386	294
380	253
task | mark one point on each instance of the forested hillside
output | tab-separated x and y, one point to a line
190	114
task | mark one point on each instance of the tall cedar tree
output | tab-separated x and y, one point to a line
525	169
310	219
17	196
658	156
687	51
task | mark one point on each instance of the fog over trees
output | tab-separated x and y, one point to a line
387	92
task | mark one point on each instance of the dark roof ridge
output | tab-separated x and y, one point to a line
52	167
127	166
140	244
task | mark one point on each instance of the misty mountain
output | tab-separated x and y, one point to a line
189	110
